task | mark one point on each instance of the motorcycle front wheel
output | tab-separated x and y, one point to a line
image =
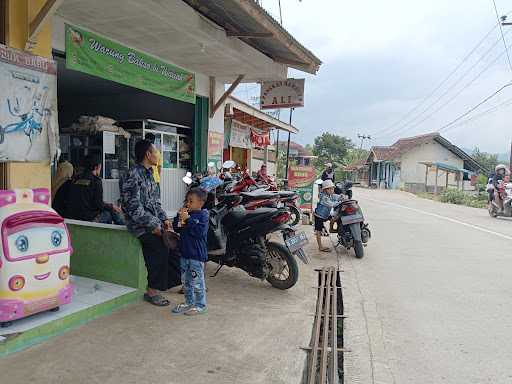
492	210
283	269
295	215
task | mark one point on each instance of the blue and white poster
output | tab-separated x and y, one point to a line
28	106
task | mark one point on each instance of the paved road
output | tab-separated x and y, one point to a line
431	302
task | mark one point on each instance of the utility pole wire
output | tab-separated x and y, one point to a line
502	35
407	127
440	85
474	107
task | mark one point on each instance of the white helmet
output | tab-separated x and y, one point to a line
500	167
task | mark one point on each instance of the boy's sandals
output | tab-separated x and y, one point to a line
157	300
196	311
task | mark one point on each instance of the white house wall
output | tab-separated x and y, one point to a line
414	172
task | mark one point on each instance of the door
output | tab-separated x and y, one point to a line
239	156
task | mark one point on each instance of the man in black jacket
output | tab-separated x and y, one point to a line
85	197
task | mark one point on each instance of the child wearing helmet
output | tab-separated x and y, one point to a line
328	200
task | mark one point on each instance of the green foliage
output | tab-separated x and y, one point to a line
455	196
331	148
488	160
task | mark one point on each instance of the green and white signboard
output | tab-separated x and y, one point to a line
98	56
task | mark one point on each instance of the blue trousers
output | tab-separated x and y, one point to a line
192	277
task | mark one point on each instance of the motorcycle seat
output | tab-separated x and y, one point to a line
259	195
237	216
287	193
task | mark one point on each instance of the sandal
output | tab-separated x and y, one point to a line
157	300
196	311
181	308
325	249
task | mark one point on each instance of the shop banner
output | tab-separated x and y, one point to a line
98	56
28	107
240	135
301	180
259	138
282	94
215	147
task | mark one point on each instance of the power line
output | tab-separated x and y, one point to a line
504	104
406	127
443	82
444	127
502	35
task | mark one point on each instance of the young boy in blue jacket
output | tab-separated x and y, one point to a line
192	224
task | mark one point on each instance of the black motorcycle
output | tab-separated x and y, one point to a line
240	238
344	188
352	231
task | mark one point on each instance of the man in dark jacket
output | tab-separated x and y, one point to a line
328	173
85	197
147	220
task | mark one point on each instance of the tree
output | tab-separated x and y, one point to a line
331	148
487	160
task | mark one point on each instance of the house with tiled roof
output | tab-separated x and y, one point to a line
419	163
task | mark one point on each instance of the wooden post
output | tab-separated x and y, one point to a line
435	182
426	177
447	174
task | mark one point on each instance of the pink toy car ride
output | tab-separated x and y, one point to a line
34	258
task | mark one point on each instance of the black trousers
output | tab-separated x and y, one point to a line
162	266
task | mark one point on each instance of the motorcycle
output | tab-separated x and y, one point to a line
287	199
344	188
352	231
239	238
502	191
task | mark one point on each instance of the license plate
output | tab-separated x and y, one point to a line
296	242
351	219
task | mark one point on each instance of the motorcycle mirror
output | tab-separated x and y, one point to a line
228	164
187	179
319	182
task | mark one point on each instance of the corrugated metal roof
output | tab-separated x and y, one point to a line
248	21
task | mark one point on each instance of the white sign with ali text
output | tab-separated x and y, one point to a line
282	94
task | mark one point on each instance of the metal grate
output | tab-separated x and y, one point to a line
325	352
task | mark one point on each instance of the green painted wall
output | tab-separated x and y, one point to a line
109	255
200	150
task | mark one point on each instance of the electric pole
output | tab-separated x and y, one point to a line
363	138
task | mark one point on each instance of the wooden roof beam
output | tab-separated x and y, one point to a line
214	106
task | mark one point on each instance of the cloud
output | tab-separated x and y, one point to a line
381	58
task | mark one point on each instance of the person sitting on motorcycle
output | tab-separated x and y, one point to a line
500	172
328	200
328	173
262	175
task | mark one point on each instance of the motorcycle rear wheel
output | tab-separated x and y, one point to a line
492	210
295	215
287	276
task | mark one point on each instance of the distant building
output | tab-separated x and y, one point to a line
299	155
421	163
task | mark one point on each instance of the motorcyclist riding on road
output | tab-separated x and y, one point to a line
500	172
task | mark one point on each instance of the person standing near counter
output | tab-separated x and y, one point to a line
157	169
147	220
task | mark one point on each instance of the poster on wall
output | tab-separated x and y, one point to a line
215	147
260	138
28	106
240	135
282	94
301	179
98	56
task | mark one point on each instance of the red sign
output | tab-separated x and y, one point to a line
260	140
215	143
300	176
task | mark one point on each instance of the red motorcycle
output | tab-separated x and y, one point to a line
266	195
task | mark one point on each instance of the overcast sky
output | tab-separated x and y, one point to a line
382	58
